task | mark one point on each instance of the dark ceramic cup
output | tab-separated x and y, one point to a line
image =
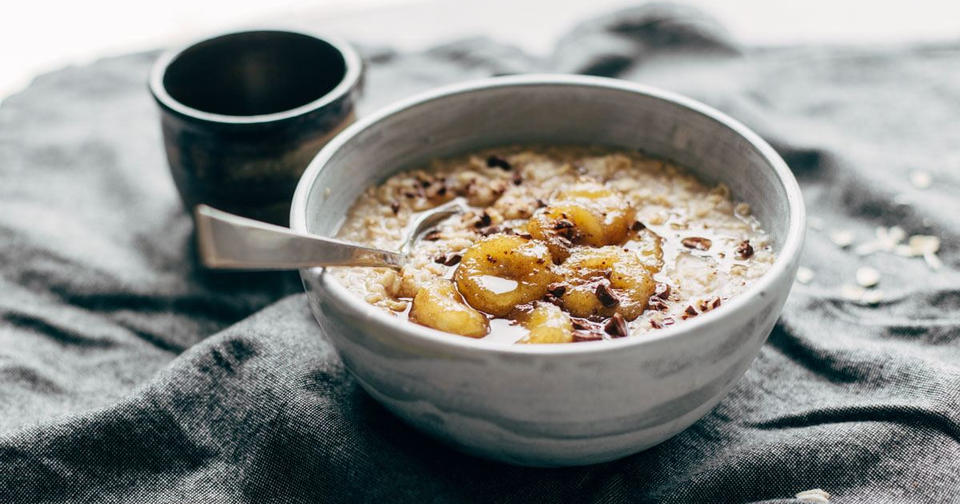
244	113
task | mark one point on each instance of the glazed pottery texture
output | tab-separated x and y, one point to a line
551	405
244	113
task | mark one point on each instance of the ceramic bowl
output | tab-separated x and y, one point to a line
566	404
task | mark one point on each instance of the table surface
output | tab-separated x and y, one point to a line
82	31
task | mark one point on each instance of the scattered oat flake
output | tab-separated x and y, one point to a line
903	250
814	495
841	237
859	295
867	276
804	275
920	179
924	244
851	292
872	297
887	240
933	261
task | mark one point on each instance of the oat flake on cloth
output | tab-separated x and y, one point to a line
128	375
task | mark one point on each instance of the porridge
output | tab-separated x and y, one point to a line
561	244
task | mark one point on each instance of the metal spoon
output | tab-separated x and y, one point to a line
228	241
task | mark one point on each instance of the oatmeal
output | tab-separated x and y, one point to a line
561	244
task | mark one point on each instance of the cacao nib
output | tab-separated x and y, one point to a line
580	336
656	303
745	250
557	289
448	260
696	242
606	296
498	162
616	326
662	290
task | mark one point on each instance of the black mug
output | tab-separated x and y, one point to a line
244	113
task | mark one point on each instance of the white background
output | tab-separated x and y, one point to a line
41	35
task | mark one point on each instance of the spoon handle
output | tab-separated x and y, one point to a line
228	241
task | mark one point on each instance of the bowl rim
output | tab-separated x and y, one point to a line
788	255
353	66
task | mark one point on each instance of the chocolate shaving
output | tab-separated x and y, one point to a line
550	298
448	260
395	207
690	310
525	236
566	229
499	162
484	221
580	336
662	290
607	298
580	324
489	230
432	235
517	179
637	226
745	250
522	308
696	242
541	203
656	303
616	326
557	289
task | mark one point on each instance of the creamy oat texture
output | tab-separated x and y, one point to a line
633	244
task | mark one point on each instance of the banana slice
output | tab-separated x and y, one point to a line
606	280
547	323
439	305
586	214
501	272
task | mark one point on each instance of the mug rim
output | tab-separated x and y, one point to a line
786	259
353	65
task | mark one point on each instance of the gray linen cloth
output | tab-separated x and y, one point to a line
129	375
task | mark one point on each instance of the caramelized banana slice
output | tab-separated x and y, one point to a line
439	305
604	281
503	271
587	214
548	324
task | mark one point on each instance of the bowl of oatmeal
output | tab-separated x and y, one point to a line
623	254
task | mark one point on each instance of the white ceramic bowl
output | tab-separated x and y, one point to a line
550	405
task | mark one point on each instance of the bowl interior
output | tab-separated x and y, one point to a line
573	110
